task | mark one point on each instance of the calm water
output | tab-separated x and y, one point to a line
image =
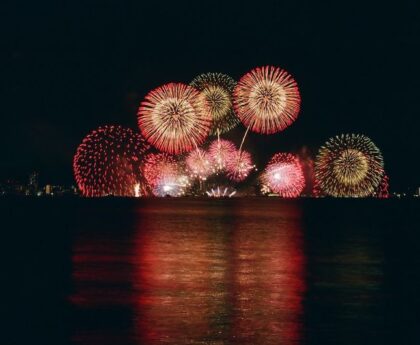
245	271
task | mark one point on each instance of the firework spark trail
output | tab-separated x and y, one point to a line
221	192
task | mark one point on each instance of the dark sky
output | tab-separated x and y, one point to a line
71	66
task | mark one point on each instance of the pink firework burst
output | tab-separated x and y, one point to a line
284	175
164	175
174	118
107	162
267	99
222	152
239	166
199	164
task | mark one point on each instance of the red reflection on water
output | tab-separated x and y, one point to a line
208	279
181	272
269	277
101	272
102	292
203	273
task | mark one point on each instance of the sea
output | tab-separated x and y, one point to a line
259	271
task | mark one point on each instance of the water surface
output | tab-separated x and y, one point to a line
191	271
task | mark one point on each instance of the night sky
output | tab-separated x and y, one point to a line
69	67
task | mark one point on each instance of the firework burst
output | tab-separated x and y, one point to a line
284	175
221	192
174	118
349	165
240	165
217	89
382	192
222	152
164	175
199	164
107	162
267	99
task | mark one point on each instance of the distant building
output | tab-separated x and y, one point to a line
33	184
75	190
12	187
58	190
48	189
32	188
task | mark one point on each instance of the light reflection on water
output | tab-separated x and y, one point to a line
219	274
223	278
245	271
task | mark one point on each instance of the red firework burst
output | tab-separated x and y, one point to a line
267	99
284	175
164	175
316	189
240	165
107	162
174	118
199	164
221	152
383	189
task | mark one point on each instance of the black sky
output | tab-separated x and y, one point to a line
69	67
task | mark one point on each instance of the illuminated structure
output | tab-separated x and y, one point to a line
48	189
217	89
107	162
284	175
267	99
33	184
174	118
349	165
